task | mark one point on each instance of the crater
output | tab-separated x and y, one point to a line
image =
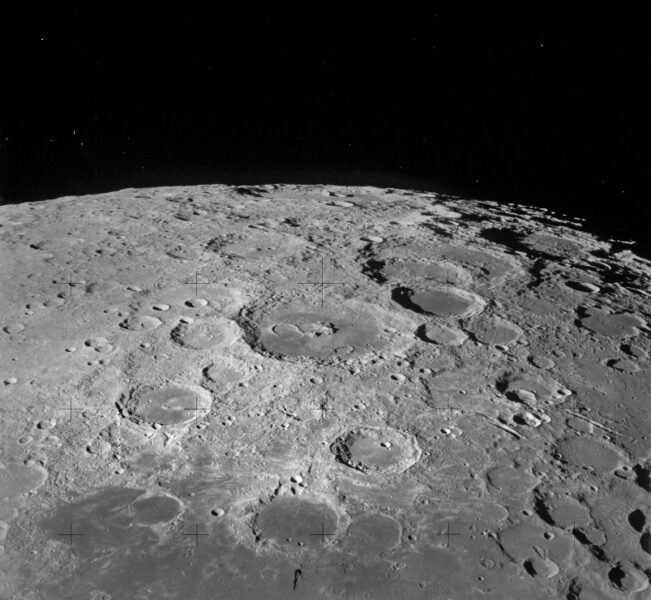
521	540
645	542
542	568
637	520
623	365
296	522
484	266
317	334
565	512
156	509
342	331
372	534
530	387
584	451
17	479
627	578
225	373
140	323
582	286
441	302
551	246
107	519
511	481
173	405
436	333
643	476
204	334
495	331
616	325
382	450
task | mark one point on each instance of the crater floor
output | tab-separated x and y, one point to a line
320	392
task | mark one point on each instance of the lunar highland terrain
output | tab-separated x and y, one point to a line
320	392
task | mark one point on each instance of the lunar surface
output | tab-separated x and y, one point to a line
320	392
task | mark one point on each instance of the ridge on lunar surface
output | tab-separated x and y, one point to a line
320	392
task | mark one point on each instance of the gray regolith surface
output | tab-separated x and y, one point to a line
186	413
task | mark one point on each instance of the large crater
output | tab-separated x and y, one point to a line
170	405
444	301
376	449
344	333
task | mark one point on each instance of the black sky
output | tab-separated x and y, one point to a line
535	106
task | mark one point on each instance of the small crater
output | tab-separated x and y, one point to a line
287	331
623	365
542	362
527	419
196	302
540	567
634	351
373	269
224	374
637	520
13	328
99	344
505	237
140	323
645	541
643	476
582	286
627	578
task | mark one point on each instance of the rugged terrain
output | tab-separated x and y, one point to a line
461	410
